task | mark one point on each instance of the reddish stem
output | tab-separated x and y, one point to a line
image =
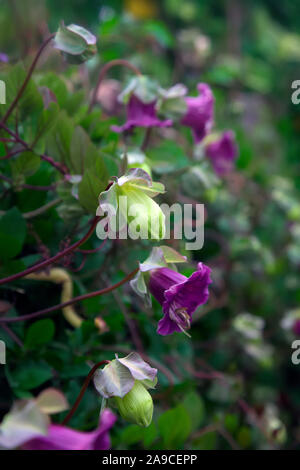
55	258
90	295
48	159
27	78
82	391
104	71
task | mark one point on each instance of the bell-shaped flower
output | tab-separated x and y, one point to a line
63	438
28	426
75	42
129	202
222	152
160	257
179	296
200	112
125	381
141	96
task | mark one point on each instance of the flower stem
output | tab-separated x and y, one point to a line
58	166
82	391
55	258
104	71
90	295
27	78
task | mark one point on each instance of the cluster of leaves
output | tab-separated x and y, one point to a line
216	391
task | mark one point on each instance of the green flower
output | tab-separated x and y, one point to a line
125	382
76	43
128	202
137	405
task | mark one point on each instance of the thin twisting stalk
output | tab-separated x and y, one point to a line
27	78
82	391
104	71
90	295
55	258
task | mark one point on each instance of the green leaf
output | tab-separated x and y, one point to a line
46	122
25	165
39	333
30	101
175	426
79	146
59	140
94	181
167	157
12	233
132	434
194	405
29	374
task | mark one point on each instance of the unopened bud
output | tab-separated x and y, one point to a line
136	406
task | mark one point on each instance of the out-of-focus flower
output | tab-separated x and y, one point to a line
129	201
3	57
28	426
76	43
141	114
63	438
107	96
179	296
125	382
194	47
222	152
250	326
141	9
200	112
296	327
135	158
171	102
291	321
274	427
140	96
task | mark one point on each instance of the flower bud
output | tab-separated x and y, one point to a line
136	406
76	43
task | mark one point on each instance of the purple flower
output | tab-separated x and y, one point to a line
296	327
179	296
141	114
222	153
3	57
200	112
64	438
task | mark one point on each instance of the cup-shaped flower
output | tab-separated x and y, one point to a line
200	112
126	381
141	114
160	257
28	426
75	42
63	438
128	202
222	152
179	296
